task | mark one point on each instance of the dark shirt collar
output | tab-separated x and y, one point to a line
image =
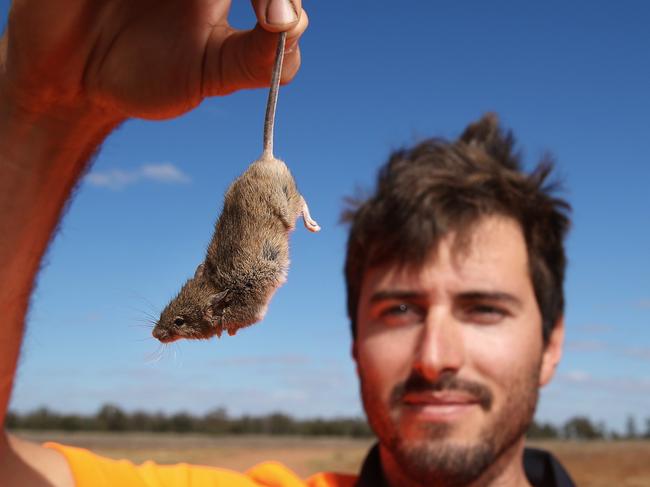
371	474
542	470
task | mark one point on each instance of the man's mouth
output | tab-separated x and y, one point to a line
438	398
439	406
447	393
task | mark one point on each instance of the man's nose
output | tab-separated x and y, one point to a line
441	347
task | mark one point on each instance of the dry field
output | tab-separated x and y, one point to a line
591	464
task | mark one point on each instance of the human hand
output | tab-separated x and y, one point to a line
139	58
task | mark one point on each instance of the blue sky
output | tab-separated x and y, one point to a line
568	77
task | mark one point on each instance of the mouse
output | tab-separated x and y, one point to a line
247	258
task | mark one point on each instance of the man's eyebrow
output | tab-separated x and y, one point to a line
395	294
489	296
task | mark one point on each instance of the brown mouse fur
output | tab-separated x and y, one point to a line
248	256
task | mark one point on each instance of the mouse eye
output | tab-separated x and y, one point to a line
178	321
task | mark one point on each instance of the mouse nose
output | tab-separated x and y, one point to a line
162	335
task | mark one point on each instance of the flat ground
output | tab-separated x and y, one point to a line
591	464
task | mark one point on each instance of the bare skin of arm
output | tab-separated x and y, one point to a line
70	72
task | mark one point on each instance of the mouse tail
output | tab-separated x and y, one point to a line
269	118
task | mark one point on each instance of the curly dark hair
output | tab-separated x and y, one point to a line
437	187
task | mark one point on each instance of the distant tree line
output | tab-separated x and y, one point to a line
582	428
217	422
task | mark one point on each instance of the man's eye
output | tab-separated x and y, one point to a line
400	313
397	310
484	313
487	309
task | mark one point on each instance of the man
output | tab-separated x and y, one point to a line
454	267
454	272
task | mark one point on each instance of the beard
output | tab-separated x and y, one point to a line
435	459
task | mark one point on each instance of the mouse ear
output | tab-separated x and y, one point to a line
199	270
215	299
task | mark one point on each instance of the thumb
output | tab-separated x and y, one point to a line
277	15
244	59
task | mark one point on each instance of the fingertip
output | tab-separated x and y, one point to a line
244	59
292	56
278	15
294	34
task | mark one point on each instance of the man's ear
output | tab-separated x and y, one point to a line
552	353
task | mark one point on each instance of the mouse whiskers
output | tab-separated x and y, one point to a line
178	355
146	323
155	356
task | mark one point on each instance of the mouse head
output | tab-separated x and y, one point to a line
190	314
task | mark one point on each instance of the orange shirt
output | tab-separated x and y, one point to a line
91	470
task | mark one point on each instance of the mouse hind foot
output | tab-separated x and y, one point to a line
310	223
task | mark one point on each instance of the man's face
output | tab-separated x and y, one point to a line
450	354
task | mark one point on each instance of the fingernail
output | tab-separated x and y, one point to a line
280	12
